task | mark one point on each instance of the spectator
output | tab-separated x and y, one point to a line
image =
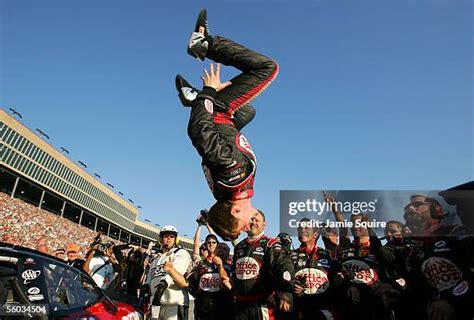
59	253
72	251
42	246
26	225
101	264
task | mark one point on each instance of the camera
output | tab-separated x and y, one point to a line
203	217
100	246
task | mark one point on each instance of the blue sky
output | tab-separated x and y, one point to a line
370	95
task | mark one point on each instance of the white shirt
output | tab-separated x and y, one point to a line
103	276
173	295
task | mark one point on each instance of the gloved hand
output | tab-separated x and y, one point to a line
160	289
389	296
440	310
353	294
144	296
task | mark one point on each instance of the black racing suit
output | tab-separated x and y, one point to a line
216	118
370	291
261	267
441	267
212	301
317	272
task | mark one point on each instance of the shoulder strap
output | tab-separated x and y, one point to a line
99	268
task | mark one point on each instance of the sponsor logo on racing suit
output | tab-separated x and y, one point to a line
360	272
210	282
246	268
314	281
441	273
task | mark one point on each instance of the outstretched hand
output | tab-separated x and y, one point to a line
212	79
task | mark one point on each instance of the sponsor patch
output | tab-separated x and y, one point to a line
323	261
461	288
210	282
360	272
259	249
247	268
441	243
315	281
33	290
209	106
244	144
287	275
29	261
36	297
441	273
401	282
30	275
188	93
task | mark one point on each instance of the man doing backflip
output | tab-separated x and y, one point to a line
218	112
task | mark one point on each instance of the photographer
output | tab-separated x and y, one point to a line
101	264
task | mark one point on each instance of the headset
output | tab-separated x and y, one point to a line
436	209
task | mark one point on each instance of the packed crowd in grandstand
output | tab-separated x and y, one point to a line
24	224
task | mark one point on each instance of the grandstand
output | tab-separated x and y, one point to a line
36	172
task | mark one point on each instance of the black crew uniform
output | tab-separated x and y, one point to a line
441	267
261	267
367	279
318	272
212	301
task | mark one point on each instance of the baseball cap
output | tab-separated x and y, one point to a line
211	236
73	247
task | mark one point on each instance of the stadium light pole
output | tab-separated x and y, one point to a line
80	218
41	200
15	186
15	113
